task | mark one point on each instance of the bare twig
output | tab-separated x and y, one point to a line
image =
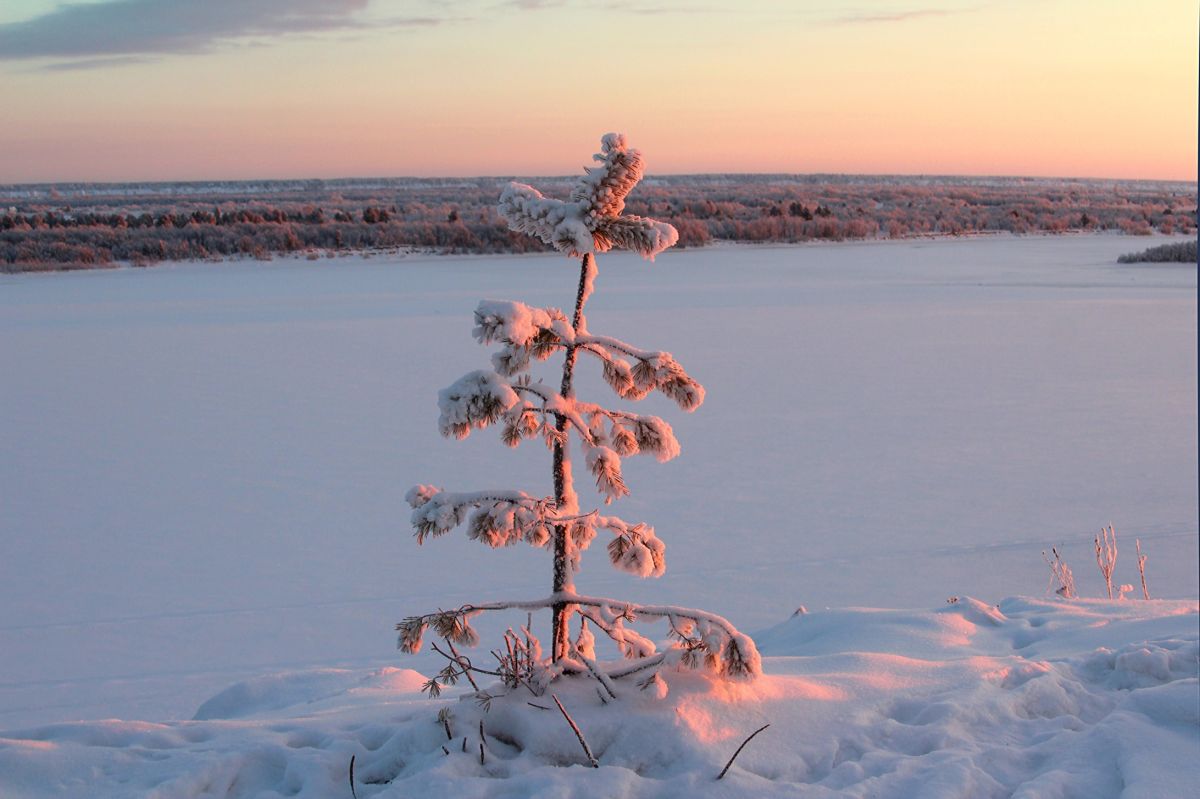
482	759
353	792
445	751
463	663
539	707
472	666
739	750
587	750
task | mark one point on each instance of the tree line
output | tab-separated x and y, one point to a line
51	230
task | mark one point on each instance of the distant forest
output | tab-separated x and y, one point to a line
85	226
1184	253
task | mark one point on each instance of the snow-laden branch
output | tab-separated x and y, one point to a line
501	518
631	433
477	399
504	518
590	220
482	398
525	332
554	403
637	233
519	324
702	638
603	188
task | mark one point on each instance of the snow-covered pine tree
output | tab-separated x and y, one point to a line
590	221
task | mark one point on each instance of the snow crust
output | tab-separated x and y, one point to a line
1027	698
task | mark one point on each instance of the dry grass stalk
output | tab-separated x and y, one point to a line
1106	555
1142	568
1060	573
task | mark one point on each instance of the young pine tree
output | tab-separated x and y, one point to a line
591	221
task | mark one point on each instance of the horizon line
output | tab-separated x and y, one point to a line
562	177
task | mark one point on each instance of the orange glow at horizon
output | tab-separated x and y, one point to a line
1057	89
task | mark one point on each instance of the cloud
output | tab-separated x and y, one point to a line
891	16
112	32
95	63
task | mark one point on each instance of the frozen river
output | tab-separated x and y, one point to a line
202	466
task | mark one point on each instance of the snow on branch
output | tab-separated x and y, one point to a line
603	188
519	324
476	399
554	403
605	466
700	639
590	221
524	332
631	433
634	548
647	237
556	223
502	518
481	398
649	371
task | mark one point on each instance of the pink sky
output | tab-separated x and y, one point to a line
154	90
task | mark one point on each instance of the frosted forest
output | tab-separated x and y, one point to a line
931	519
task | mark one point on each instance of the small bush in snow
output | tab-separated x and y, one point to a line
507	396
1106	555
1060	574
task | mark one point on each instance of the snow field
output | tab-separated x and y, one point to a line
1030	698
205	469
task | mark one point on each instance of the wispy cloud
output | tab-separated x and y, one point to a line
115	32
892	16
95	63
629	6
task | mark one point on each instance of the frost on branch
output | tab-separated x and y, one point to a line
501	518
605	466
525	407
634	373
636	233
590	221
635	549
476	399
603	189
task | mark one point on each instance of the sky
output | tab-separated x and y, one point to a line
123	90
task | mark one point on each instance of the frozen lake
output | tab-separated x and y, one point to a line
203	465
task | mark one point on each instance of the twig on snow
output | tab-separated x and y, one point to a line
739	750
587	750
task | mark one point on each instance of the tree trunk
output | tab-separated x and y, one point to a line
563	483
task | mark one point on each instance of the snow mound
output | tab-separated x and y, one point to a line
279	691
1028	698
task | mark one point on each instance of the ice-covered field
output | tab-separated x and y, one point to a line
203	469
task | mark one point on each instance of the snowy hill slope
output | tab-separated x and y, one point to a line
1030	698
